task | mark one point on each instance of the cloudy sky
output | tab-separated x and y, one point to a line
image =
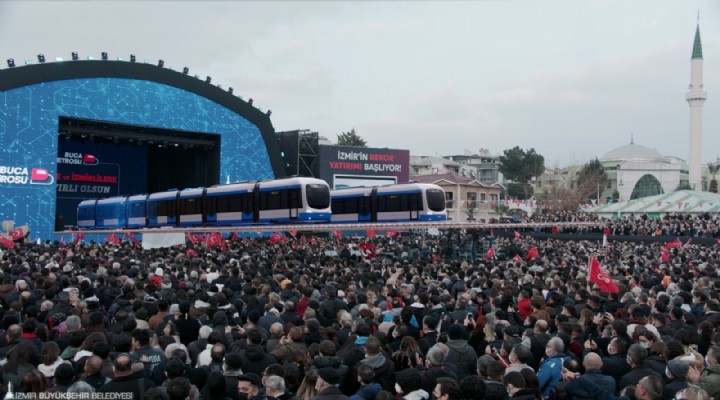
572	79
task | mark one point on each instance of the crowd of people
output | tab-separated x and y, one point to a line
673	224
297	319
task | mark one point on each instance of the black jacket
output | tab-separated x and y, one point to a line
633	377
615	366
138	386
255	359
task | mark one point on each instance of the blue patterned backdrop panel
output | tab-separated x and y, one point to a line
29	136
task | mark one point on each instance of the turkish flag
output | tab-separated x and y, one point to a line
490	253
517	258
370	233
7	242
303	240
599	275
113	239
214	239
233	236
17	234
673	244
367	249
275	238
79	237
337	234
312	241
193	238
293	234
391	234
664	255
517	234
131	237
532	253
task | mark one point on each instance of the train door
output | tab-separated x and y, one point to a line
256	203
415	204
294	202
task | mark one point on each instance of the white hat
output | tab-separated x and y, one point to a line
158	272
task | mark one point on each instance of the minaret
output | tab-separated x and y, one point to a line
696	97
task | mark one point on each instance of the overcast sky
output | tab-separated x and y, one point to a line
572	79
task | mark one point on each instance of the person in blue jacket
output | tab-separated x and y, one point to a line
550	371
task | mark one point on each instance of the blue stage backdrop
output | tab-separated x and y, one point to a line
32	101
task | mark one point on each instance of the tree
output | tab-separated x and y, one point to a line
713	169
351	139
591	179
520	166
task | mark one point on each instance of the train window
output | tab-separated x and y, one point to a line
211	205
415	201
221	204
235	203
364	205
351	206
318	196
338	206
294	198
152	209
404	202
435	199
162	208
389	203
137	210
190	206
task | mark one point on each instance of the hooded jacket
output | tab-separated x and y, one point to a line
384	370
256	359
462	356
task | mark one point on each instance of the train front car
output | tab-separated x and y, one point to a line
293	200
433	203
408	202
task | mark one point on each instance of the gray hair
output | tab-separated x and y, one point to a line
557	344
637	354
345	318
275	383
80	387
73	323
436	355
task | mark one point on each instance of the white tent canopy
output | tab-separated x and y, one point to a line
681	201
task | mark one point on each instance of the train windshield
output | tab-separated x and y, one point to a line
436	200
318	196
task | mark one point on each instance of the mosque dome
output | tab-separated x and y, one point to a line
632	152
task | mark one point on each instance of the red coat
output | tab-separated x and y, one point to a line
524	308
